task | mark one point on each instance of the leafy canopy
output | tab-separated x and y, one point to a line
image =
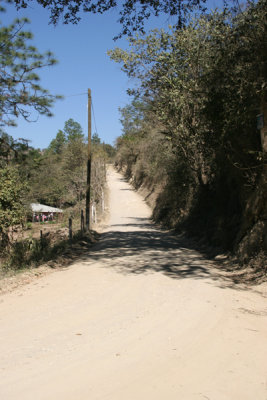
132	13
204	84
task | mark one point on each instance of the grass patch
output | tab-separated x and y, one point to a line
33	252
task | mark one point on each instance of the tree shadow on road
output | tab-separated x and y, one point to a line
147	249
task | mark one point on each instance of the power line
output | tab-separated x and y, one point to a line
81	94
94	118
78	94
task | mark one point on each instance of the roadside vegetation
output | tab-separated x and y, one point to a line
55	176
190	137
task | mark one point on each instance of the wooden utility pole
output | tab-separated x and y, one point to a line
87	207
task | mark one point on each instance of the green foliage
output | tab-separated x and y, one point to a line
131	117
66	160
48	187
21	95
7	148
20	90
57	145
12	208
32	252
96	139
109	151
57	177
73	130
200	89
141	150
196	78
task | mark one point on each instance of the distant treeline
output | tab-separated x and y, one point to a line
55	176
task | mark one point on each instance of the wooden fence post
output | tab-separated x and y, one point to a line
82	221
70	228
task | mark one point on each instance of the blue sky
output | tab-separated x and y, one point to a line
81	51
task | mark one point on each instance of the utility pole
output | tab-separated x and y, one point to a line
87	206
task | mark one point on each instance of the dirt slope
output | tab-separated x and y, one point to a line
141	317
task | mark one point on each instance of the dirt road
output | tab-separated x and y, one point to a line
141	317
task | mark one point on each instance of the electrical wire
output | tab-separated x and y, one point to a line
72	95
81	94
94	118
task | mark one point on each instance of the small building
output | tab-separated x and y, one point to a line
41	212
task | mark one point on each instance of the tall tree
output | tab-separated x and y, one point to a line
73	130
21	95
96	139
20	91
57	145
65	158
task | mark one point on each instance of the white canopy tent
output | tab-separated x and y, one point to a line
41	208
41	212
